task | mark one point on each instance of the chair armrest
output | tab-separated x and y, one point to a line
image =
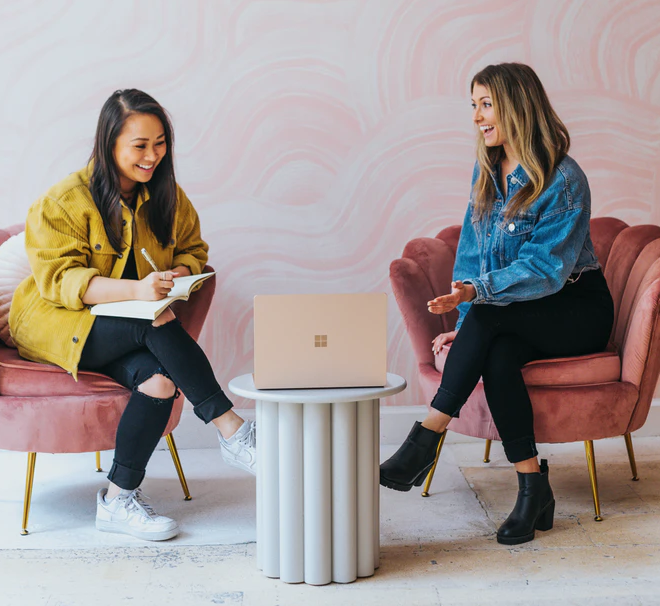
435	259
422	274
640	354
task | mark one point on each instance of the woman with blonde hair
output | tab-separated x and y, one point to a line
527	285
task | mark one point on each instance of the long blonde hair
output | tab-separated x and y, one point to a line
531	127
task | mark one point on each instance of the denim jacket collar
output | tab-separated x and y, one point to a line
517	179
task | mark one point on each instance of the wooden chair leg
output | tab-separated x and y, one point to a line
98	461
631	456
429	478
29	481
591	464
487	452
177	464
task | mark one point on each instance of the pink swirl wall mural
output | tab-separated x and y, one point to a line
317	137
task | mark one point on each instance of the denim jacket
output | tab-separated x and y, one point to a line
532	255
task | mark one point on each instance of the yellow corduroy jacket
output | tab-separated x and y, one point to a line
67	246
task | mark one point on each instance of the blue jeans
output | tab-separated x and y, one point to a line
495	342
130	351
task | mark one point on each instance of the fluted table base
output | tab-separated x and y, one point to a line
318	490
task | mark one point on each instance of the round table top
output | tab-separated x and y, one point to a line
244	386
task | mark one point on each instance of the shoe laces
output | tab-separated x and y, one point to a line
136	501
249	438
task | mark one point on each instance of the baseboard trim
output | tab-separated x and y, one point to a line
395	423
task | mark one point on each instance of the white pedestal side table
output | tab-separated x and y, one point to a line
318	500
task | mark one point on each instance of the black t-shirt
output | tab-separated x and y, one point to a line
130	271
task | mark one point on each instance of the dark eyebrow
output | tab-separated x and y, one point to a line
146	139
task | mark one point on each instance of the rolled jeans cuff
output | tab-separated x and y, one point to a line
125	477
520	449
214	406
447	402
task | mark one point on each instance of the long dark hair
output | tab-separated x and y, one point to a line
104	181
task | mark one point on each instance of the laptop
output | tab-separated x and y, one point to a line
312	341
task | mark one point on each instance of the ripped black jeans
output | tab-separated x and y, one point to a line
131	351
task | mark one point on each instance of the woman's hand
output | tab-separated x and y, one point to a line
460	293
155	286
442	339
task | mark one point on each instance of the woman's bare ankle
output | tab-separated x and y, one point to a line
228	423
113	491
528	466
436	421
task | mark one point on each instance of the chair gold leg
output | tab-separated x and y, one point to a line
631	456
429	478
98	461
177	464
487	453
29	481
591	464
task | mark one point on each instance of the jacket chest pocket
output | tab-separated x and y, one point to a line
103	256
513	233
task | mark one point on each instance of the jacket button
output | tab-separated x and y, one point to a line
123	222
75	339
512	227
514	180
120	255
97	247
172	242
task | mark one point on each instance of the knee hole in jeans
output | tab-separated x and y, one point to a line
157	386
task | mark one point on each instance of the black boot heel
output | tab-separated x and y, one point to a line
410	465
546	518
534	510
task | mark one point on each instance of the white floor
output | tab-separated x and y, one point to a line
439	550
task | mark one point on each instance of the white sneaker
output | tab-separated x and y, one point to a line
128	513
241	449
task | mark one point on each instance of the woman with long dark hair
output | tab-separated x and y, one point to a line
527	285
81	238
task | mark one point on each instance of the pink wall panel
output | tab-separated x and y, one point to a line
317	137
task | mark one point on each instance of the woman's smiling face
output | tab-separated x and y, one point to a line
139	149
483	115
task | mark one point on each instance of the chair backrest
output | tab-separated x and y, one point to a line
633	275
628	256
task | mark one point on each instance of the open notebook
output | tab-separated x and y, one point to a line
150	310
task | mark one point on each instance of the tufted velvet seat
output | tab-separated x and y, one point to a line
42	409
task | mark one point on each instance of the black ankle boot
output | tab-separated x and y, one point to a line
409	465
534	510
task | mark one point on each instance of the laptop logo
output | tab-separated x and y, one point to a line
320	340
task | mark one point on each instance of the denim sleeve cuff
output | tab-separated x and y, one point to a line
480	289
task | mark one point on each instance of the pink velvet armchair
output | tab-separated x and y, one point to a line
42	409
585	398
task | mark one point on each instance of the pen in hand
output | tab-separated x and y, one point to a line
147	256
163	274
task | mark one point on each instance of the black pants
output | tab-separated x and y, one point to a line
495	342
131	351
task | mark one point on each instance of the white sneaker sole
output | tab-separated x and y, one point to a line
119	528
